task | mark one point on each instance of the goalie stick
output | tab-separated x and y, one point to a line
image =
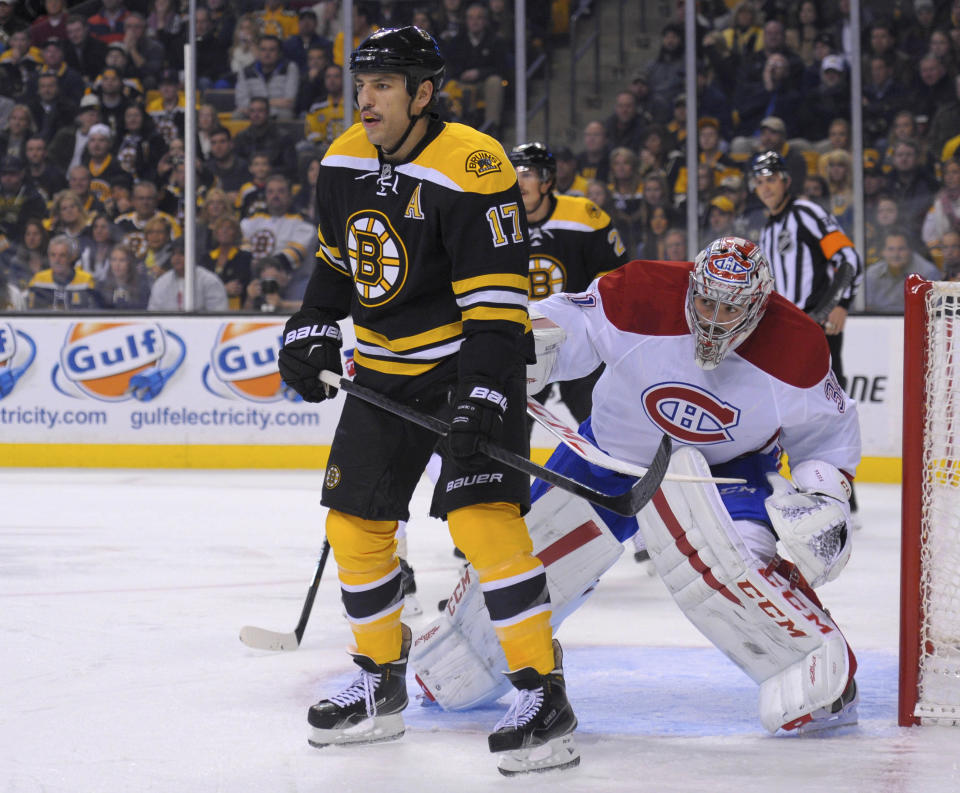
627	504
262	639
596	456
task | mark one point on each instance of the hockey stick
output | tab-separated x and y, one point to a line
262	639
587	451
627	504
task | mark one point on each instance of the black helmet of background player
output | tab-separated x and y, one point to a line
409	51
767	163
536	156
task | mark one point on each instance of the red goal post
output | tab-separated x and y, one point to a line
930	540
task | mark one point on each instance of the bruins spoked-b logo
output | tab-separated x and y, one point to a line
547	276
377	256
332	477
482	162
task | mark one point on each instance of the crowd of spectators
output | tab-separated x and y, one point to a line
92	117
775	75
92	125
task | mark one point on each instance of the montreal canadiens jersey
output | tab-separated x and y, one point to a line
776	387
574	244
429	256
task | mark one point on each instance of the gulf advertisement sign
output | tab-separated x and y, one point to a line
17	352
117	361
243	363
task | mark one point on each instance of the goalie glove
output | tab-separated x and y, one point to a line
812	519
310	344
477	414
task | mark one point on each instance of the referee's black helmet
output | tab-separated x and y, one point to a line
769	162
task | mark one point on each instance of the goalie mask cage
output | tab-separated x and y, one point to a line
930	551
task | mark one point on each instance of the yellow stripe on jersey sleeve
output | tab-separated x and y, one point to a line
392	367
475	162
573	209
494	314
404	343
493	281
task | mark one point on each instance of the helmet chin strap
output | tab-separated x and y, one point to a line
413	120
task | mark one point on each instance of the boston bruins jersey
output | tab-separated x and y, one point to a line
429	256
574	244
288	235
132	231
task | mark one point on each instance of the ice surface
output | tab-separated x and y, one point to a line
122	594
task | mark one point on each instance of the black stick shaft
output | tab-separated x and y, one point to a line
312	592
626	504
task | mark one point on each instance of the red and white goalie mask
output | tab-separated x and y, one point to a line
729	289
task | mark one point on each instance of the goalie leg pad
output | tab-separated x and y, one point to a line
760	615
457	658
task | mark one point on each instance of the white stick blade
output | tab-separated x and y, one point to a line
261	639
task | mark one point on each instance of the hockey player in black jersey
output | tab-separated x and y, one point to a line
423	242
572	241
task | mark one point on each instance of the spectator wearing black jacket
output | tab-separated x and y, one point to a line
81	51
295	48
19	202
478	60
46	179
51	112
213	58
263	135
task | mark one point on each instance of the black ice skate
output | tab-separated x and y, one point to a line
537	732
369	709
411	605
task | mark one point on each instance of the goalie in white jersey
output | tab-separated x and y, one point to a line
735	374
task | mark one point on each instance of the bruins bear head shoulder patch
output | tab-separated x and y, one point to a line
482	162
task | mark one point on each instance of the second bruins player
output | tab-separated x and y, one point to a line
423	242
572	241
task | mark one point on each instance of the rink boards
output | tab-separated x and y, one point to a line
155	391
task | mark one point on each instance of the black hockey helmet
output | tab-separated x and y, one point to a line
409	51
535	155
768	162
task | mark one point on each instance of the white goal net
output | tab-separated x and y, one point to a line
936	529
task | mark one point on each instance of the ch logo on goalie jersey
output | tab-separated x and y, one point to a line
690	414
377	256
547	276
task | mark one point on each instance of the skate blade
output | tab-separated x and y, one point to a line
835	725
554	755
375	730
411	606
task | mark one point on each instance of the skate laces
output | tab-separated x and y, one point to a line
362	688
524	708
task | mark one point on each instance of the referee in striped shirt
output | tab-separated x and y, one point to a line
815	265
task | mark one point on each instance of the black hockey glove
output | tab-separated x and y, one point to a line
310	344
477	413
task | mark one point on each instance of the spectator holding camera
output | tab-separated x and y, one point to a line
276	289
